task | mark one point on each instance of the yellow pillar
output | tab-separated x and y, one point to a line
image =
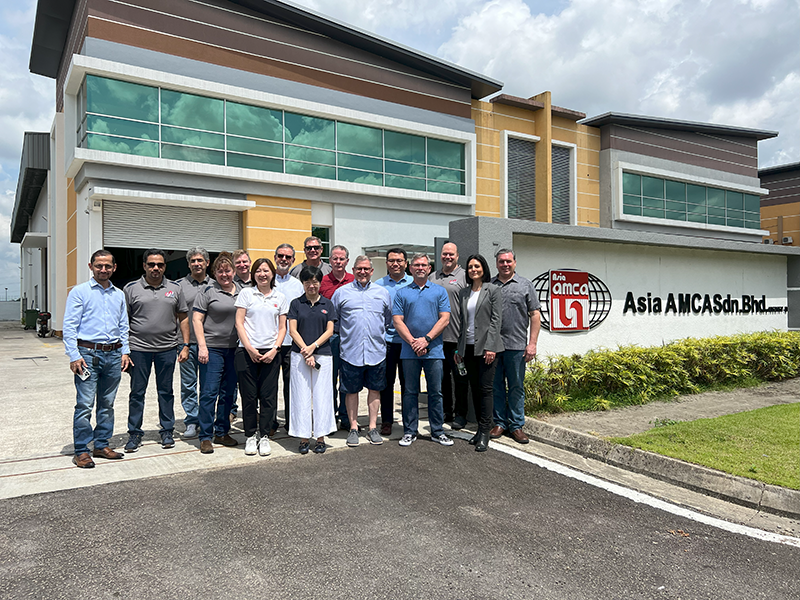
544	160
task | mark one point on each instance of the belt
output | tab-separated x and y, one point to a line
101	347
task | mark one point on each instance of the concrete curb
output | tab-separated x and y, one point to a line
731	488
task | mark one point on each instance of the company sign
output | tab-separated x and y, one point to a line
572	300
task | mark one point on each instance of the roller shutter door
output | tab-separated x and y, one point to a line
521	179
561	182
135	225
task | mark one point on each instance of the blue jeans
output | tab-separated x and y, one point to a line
189	370
101	385
336	345
140	374
412	367
509	409
217	392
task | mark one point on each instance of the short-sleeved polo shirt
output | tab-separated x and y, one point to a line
330	284
453	283
291	288
420	308
519	300
242	283
190	288
153	314
324	267
219	307
312	321
262	316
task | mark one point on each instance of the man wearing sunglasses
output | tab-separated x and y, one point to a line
313	249
157	311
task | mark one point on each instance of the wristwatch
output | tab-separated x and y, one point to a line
427	339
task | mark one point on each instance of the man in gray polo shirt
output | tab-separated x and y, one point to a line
520	332
156	308
312	246
196	280
453	278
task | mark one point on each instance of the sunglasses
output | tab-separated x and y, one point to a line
154	265
284	256
313	248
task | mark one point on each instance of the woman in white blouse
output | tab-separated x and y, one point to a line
261	325
479	342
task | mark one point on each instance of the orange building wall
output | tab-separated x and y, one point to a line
276	221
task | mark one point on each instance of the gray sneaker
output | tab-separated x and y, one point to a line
374	437
191	432
352	438
443	440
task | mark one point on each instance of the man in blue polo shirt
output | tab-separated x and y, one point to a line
421	312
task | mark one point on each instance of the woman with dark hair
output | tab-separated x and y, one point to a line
479	342
311	392
214	322
261	325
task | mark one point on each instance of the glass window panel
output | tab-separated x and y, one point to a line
695	194
676	191
752	203
653	203
675	206
698	209
652	187
752	224
735	223
716	220
324	235
359	139
360	162
309	154
322	171
122	145
131	129
255	147
404	146
254	121
121	99
632	184
190	110
445	154
653	212
405	169
445	174
246	161
310	131
734	200
632	210
716	212
748	216
188	137
675	216
211	157
696	217
632	200
360	177
407	183
716	197
736	214
443	187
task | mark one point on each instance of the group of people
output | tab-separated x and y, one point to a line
329	333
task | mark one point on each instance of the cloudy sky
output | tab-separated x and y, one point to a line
733	62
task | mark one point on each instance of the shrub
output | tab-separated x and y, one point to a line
601	379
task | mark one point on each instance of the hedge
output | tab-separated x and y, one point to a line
601	379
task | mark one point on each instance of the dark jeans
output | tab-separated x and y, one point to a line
393	368
342	408
217	392
284	358
456	390
258	385
140	374
481	379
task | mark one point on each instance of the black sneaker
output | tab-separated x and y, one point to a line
134	441
167	441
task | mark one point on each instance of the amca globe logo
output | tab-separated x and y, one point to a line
572	300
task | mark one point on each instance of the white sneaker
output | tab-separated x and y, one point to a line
263	446
407	439
250	445
443	440
191	432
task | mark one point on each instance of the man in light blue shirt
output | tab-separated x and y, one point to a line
364	313
421	312
396	263
96	340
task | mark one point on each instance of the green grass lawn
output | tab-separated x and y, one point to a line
761	444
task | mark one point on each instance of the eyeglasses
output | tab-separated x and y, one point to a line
395	261
155	265
103	267
313	248
284	256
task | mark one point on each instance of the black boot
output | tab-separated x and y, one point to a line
474	439
482	444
